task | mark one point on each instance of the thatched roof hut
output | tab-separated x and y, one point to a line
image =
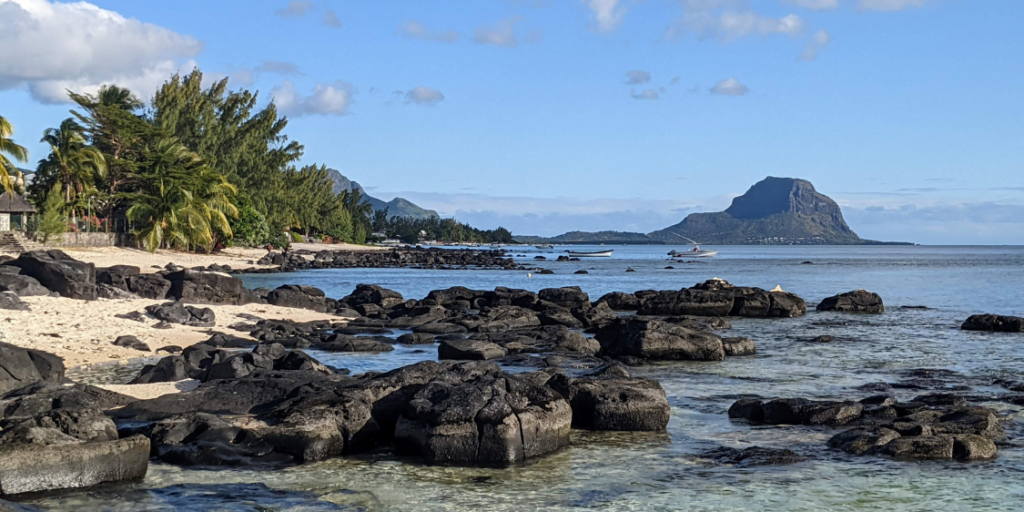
15	204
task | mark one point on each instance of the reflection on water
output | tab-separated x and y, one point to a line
643	471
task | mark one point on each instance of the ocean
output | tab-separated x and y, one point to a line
928	291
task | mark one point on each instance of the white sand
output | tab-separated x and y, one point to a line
82	332
147	391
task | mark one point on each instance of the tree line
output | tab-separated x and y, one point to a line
413	230
196	169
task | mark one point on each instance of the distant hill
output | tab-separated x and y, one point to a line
397	207
773	211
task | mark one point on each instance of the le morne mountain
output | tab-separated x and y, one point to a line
773	211
397	207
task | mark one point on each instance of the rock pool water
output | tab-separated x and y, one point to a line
631	471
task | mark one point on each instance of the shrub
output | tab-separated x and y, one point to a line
53	222
250	228
297	237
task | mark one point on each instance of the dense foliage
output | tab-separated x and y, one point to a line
198	168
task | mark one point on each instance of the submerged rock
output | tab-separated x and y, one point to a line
752	456
994	323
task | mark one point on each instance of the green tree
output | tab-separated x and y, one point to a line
72	164
53	221
181	203
8	146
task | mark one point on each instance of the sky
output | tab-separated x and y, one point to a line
545	116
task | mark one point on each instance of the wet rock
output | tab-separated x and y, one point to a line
608	399
200	439
860	441
597	316
415	339
795	411
919	448
470	350
752	456
35	468
179	313
747	409
559	316
654	339
131	342
994	323
498	420
343	343
620	301
688	302
973	447
499	319
857	301
373	294
824	338
60	273
739	346
568	297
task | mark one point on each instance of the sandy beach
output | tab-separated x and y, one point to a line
82	332
236	257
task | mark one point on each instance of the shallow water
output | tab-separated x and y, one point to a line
627	471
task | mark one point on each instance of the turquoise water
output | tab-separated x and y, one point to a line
627	471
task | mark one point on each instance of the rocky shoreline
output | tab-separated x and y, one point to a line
517	371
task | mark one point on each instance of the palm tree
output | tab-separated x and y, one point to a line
181	201
71	163
18	153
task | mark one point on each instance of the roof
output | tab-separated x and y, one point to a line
15	204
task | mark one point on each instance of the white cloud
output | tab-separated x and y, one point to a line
331	19
647	94
424	96
889	5
416	30
727	20
295	8
503	34
816	5
52	46
729	87
819	40
637	76
279	67
606	13
326	99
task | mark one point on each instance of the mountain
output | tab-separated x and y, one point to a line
774	211
397	207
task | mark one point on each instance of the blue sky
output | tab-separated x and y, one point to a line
550	115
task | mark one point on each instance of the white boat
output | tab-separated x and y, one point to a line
699	253
548	246
596	254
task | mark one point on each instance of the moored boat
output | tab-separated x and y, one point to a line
594	254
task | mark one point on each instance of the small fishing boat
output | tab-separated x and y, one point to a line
595	254
696	253
545	246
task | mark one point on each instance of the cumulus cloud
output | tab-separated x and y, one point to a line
637	76
606	14
889	5
326	99
647	94
416	30
295	8
51	46
331	19
424	96
727	20
816	5
819	40
729	87
503	34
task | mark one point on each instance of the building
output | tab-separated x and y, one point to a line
14	212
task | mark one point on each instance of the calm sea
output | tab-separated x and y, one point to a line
645	472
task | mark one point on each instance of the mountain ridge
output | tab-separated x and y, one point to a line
774	211
397	207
